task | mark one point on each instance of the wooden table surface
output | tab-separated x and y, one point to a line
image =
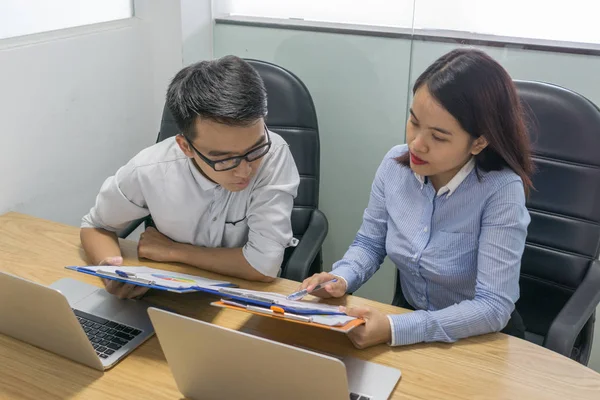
493	366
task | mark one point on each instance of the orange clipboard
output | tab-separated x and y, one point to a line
278	313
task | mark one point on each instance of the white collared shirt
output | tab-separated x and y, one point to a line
188	208
455	182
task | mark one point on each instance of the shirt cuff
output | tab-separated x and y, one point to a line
267	264
349	276
393	342
408	328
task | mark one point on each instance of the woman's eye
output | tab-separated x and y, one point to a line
439	139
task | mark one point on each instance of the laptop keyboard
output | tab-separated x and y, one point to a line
356	396
106	336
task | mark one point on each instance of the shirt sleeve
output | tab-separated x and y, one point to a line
119	202
269	213
501	244
367	251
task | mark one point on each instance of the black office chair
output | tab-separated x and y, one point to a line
291	113
560	272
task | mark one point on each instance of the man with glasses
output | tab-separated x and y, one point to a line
220	193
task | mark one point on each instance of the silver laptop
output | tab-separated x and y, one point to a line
73	319
212	362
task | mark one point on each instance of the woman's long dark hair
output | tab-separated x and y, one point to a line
482	97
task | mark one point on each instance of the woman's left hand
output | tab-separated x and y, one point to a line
376	330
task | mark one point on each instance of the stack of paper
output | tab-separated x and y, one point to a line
278	306
281	300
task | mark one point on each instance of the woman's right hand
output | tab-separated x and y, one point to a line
336	289
120	289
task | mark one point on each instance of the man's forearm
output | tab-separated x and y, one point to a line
99	244
224	261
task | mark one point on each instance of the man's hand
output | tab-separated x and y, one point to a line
120	289
376	330
336	289
156	246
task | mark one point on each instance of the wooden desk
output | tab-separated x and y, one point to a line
485	367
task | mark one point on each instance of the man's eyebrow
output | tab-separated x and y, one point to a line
217	153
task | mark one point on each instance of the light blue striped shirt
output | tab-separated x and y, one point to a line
458	251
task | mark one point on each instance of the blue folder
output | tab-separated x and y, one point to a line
128	278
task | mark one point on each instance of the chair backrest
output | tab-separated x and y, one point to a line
564	235
291	114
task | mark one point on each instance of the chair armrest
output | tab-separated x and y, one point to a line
574	315
299	263
132	226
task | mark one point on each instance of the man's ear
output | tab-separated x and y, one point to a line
184	146
478	145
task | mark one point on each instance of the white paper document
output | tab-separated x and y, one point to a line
280	299
157	277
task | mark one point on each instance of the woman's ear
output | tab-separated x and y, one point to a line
184	146
478	145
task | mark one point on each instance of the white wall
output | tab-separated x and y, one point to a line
538	19
575	20
77	104
197	29
397	13
19	17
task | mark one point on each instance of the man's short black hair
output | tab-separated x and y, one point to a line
227	91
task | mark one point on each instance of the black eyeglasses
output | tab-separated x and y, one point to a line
233	162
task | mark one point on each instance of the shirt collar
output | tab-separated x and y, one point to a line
203	181
455	182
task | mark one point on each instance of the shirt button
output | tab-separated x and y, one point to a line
426	229
214	219
423	298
